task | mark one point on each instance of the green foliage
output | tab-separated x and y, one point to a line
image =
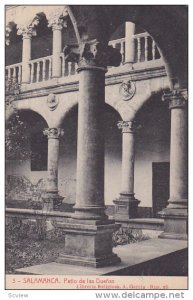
17	139
27	244
125	236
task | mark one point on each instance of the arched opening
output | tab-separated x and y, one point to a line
13	53
68	155
145	48
43	39
157	20
26	157
152	148
113	146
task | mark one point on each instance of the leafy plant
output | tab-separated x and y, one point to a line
17	139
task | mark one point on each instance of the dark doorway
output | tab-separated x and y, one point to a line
39	151
160	185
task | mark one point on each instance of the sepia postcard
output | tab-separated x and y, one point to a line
96	149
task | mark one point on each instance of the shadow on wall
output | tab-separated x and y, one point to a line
152	145
68	154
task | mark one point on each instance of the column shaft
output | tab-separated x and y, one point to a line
90	156
178	157
26	57
52	199
53	156
129	42
176	213
57	49
126	205
88	235
128	156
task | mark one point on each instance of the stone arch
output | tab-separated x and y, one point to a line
125	111
92	22
120	109
26	149
43	38
67	108
157	20
18	106
114	105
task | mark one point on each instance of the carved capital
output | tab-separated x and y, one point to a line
57	18
92	54
27	28
176	98
127	126
53	133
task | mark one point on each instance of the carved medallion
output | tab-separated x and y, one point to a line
52	101
127	89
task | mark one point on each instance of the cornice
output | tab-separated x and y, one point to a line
73	86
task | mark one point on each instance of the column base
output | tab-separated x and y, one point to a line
52	201
175	224
90	212
126	207
88	243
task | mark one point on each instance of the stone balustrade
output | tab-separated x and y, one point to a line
41	69
120	44
14	72
146	49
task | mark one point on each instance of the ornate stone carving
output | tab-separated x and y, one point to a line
93	53
53	133
57	18
27	28
52	101
176	98
127	89
127	126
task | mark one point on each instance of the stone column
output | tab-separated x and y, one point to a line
51	198
129	43
89	234
175	215
126	206
27	33
56	21
90	156
57	49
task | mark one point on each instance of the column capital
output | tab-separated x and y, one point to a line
53	133
56	18
92	54
176	98
27	29
127	126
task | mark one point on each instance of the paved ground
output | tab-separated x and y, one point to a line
130	255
